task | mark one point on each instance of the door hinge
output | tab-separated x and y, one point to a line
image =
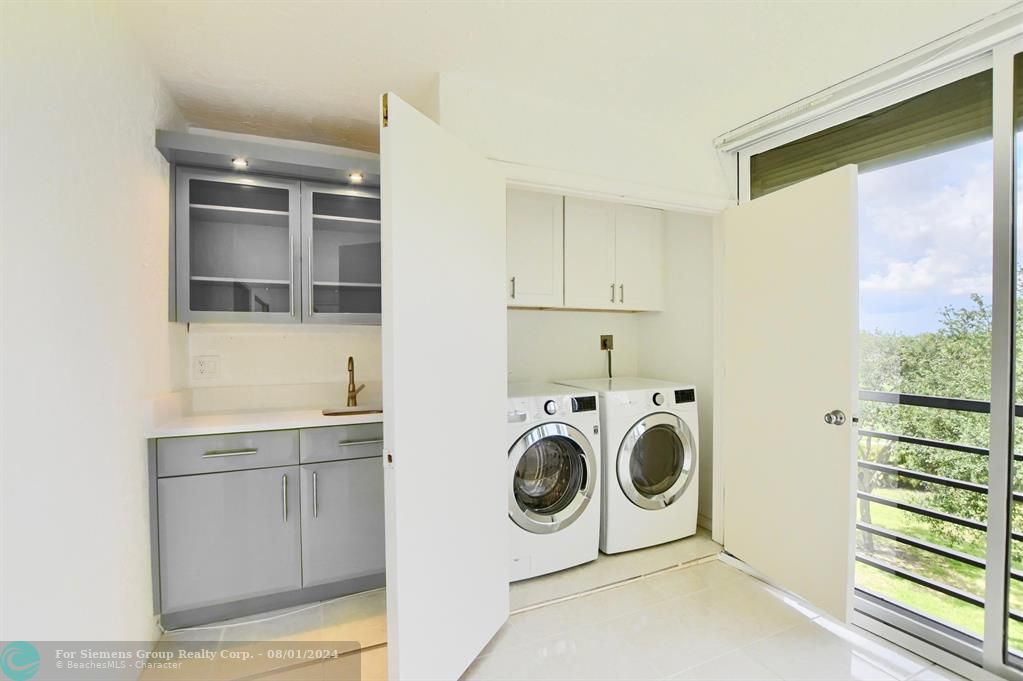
383	109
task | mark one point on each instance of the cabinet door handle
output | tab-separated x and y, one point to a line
284	496
316	500
353	443
513	288
217	453
621	293
612	291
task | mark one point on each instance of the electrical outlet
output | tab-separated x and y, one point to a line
607	342
205	367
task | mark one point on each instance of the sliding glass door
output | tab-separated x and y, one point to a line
939	523
1012	535
925	378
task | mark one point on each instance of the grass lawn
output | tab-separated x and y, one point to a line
966	578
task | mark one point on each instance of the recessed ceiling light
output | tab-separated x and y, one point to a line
355	178
239	163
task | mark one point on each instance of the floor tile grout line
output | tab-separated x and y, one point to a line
614	585
743	646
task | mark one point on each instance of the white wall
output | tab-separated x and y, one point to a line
85	337
592	148
678	343
579	149
545	345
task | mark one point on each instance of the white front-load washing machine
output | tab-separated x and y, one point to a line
649	437
553	475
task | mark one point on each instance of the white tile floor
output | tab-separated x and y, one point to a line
707	621
701	621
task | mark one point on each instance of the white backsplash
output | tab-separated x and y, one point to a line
262	366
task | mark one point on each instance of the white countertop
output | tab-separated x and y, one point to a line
250	421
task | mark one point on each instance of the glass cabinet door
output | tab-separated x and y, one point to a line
236	247
341	230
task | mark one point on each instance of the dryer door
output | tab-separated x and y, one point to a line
553	475
656	461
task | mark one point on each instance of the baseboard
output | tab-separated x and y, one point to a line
260	604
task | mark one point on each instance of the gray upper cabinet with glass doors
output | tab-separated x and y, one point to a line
272	231
259	249
341	256
237	247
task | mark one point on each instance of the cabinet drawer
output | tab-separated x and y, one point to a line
216	453
334	443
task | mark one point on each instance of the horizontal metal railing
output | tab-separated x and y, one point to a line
933	402
950	404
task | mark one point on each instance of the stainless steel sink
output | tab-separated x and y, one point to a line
350	411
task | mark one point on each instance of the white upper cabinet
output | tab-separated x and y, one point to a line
536	256
614	256
590	255
639	257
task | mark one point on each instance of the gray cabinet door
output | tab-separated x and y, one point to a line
238	250
341	254
342	520
228	536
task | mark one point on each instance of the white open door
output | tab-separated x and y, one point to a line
788	351
444	382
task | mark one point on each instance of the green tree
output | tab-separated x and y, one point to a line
953	361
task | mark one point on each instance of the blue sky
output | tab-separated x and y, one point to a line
925	238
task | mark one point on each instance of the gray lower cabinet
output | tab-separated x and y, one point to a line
342	520
228	536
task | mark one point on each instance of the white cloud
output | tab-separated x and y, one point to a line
926	225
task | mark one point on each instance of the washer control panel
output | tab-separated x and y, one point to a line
685	396
588	403
530	409
658	399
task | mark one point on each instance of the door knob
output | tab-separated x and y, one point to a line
835	417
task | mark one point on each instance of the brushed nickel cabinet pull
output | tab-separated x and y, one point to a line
218	453
353	443
284	496
316	501
612	291
621	293
513	288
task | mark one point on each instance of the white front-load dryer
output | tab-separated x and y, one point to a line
650	441
553	478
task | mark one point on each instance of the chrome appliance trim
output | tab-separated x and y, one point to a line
685	436
546	524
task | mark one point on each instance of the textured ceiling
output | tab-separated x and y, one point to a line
313	70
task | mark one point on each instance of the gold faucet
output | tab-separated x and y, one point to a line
353	392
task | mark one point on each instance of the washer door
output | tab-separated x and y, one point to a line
656	461
553	473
